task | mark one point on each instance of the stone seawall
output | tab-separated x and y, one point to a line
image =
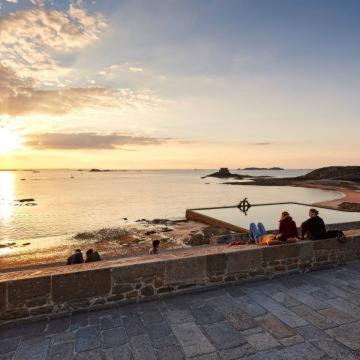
89	286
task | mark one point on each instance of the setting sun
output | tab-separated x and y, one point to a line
9	140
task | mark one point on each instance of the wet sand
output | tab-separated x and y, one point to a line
351	196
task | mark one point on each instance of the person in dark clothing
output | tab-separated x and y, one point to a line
76	258
155	247
92	256
287	228
314	227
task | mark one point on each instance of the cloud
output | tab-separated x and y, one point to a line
88	140
20	97
29	42
30	39
262	143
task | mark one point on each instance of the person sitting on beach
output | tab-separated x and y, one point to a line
155	247
314	227
92	256
76	258
287	228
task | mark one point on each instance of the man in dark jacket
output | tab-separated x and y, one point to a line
314	227
76	258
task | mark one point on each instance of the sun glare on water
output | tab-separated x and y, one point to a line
9	140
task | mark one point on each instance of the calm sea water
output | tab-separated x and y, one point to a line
66	205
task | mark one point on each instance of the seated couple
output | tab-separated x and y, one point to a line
311	229
77	257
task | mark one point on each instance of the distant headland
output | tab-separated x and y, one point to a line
262	168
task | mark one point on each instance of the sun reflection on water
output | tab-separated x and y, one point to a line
6	196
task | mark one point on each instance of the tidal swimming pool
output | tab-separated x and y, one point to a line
269	215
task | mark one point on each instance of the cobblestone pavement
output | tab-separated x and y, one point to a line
309	316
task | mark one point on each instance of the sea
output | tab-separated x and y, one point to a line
64	202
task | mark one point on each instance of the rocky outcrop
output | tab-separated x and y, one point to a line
197	238
349	173
349	206
224	173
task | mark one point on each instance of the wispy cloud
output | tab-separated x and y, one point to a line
88	140
262	143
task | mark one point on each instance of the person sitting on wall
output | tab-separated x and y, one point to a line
76	258
155	247
92	256
257	232
287	228
314	227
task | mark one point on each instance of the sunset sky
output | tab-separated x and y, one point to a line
179	84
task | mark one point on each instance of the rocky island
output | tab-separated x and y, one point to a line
262	168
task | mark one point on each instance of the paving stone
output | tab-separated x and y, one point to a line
170	352
346	307
240	320
307	299
152	316
262	341
313	317
348	334
223	303
91	355
142	348
292	281
323	295
63	338
109	322
310	332
251	331
237	352
223	335
335	351
284	314
212	356
304	351
8	356
335	315
206	315
79	319
120	353
134	325
274	326
158	330
179	316
32	349
58	325
285	299
61	352
235	291
32	328
114	337
192	339
9	345
290	341
165	341
249	306
340	291
87	338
